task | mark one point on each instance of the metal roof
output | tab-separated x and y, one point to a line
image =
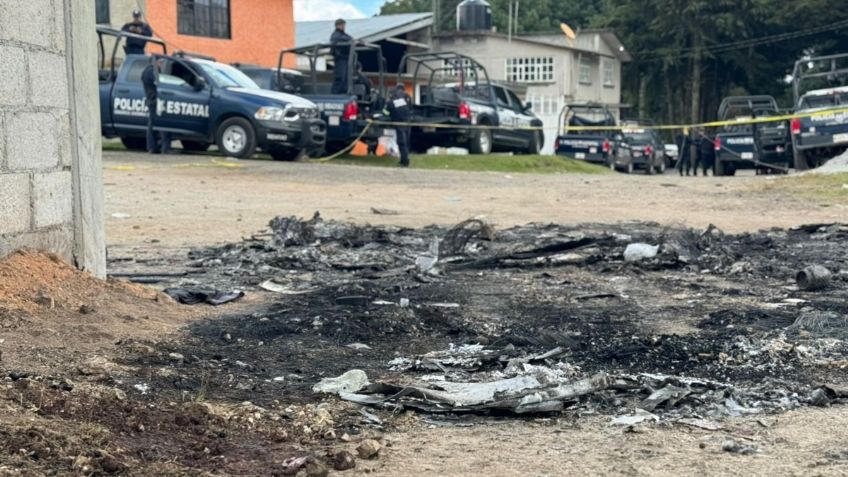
371	29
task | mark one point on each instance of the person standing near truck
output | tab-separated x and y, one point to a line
685	161
341	57
135	46
150	80
400	110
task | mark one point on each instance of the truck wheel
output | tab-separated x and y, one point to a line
236	138
649	169
195	146
481	142
800	160
288	154
629	168
134	143
535	146
661	167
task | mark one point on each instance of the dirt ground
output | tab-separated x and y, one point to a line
69	406
197	200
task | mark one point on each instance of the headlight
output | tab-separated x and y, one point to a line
270	114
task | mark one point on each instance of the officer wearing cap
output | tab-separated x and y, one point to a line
135	46
400	109
341	57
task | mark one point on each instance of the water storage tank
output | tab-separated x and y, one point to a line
473	15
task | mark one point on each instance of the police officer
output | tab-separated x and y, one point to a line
683	146
400	110
150	80
341	57
362	80
135	46
707	153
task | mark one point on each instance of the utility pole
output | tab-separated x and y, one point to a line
437	17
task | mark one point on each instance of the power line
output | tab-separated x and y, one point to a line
688	52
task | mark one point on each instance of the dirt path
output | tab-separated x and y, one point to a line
196	200
802	443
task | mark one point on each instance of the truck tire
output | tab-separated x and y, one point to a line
195	146
661	167
134	143
481	142
800	160
629	168
288	154
535	146
649	169
236	138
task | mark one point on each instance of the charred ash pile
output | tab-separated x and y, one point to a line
634	319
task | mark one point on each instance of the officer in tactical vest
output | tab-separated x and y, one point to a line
399	108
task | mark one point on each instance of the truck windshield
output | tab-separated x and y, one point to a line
225	76
638	136
823	101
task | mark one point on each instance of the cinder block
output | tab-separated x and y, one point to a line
48	79
52	198
12	75
29	21
14	203
32	141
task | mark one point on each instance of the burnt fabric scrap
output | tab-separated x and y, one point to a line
193	296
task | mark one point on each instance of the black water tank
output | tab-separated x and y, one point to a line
473	15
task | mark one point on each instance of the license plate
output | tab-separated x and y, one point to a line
580	155
748	155
277	137
780	149
637	154
840	138
593	150
333	120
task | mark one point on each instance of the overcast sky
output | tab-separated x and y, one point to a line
305	10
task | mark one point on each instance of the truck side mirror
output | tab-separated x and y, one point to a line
528	106
199	84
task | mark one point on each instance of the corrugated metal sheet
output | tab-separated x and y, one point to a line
367	29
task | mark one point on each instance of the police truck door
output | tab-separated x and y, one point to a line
129	108
183	100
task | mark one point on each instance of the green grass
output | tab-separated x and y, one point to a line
830	188
491	163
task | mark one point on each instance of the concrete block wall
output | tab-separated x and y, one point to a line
50	179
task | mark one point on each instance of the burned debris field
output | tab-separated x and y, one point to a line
635	320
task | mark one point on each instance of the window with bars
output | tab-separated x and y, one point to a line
101	11
453	68
609	73
585	71
530	70
210	18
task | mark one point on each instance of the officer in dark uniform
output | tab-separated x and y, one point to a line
150	80
684	149
341	57
400	110
135	46
707	153
362	80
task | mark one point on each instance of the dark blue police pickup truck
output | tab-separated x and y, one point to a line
821	131
202	102
346	111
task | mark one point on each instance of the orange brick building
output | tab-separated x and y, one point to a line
246	31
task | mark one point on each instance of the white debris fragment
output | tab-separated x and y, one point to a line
640	251
142	388
349	382
358	346
638	417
